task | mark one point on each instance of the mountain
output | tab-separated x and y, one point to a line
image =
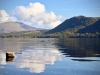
10	27
91	29
74	24
27	27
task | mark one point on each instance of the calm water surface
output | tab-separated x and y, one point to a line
49	56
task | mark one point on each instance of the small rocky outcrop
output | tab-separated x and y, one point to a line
9	54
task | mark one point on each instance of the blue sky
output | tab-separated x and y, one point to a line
67	8
64	8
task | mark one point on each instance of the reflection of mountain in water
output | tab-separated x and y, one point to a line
33	54
9	45
17	44
80	47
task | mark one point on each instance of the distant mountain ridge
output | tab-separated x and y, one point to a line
75	27
8	27
74	24
27	27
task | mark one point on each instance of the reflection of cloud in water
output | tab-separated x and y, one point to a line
37	59
36	53
2	58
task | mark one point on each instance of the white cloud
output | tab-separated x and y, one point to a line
54	24
4	17
36	14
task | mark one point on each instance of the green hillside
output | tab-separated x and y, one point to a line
91	29
74	24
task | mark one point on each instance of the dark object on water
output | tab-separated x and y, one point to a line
10	55
9	59
88	60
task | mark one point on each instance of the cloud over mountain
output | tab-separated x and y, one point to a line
4	17
35	13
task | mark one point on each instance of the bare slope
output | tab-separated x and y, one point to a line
10	27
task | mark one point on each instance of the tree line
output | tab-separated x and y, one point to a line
39	34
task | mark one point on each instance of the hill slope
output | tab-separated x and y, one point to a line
10	27
16	27
91	29
27	27
74	24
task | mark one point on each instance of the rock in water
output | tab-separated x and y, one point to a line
9	59
9	54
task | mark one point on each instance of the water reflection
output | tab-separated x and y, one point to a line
80	47
2	58
9	59
31	54
36	60
10	45
84	60
42	56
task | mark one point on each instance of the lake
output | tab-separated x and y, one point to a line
50	56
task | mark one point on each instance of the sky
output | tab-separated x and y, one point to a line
46	13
